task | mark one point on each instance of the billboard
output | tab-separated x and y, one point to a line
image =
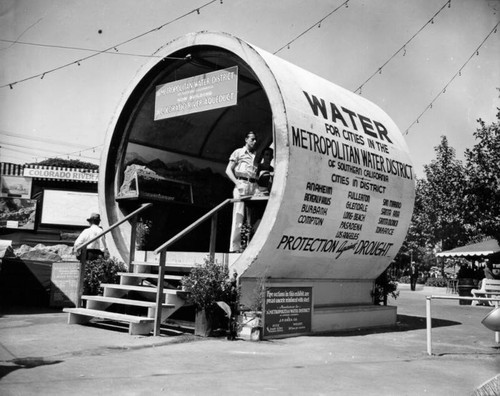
15	185
18	213
72	208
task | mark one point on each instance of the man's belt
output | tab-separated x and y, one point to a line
248	179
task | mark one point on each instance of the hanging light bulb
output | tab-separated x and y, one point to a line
11	87
198	11
460	72
404	52
477	53
319	25
380	70
449	3
43	75
432	21
347	4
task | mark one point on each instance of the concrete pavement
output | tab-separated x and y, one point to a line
41	354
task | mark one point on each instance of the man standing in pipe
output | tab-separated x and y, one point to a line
241	170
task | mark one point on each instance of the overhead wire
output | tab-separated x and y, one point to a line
403	47
458	73
40	139
39	150
113	47
79	49
318	23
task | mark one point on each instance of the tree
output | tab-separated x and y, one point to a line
443	203
66	163
483	179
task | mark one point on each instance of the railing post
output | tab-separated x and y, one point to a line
497	333
159	292
213	237
429	324
133	235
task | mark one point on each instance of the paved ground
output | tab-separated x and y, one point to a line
41	355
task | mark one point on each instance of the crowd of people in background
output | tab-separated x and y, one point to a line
477	270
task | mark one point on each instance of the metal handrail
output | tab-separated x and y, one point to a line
162	250
428	315
194	225
83	247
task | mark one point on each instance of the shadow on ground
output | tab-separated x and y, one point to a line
404	323
24	363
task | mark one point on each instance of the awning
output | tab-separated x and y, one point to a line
484	248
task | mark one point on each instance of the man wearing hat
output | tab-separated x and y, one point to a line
97	248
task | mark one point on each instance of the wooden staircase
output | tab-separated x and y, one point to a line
133	300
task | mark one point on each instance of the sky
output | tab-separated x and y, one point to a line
67	113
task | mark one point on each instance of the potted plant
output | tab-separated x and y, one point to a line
208	286
384	286
143	228
250	320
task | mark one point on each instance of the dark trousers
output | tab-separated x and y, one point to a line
413	283
93	254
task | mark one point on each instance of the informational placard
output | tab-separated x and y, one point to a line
287	311
65	281
62	207
196	94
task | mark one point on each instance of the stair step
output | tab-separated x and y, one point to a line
109	315
144	289
173	267
125	301
148	275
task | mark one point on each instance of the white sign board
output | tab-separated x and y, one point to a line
196	94
61	174
68	207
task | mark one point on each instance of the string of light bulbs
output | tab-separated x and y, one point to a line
403	47
457	74
79	152
318	24
116	52
111	48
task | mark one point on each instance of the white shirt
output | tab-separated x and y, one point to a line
243	163
87	235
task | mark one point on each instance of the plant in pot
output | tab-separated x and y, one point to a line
250	319
143	228
384	287
213	293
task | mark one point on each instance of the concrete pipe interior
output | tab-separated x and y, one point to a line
343	189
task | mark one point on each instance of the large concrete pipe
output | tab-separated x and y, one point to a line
343	189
